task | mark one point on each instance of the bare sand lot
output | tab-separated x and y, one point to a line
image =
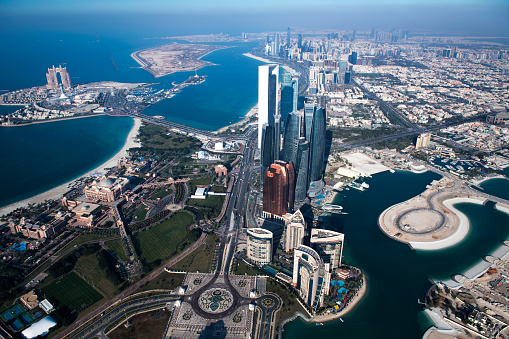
175	57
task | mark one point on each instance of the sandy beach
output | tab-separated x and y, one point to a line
354	301
477	182
252	111
58	191
249	55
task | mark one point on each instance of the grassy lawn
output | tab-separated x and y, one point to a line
164	281
200	259
85	238
243	269
88	266
117	247
160	241
141	213
290	302
211	201
200	181
145	325
161	193
72	291
156	137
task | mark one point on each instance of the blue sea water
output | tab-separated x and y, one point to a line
39	157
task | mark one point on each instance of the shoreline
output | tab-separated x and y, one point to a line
35	122
267	61
353	302
58	191
146	66
245	120
478	182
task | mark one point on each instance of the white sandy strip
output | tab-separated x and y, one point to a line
440	324
58	191
456	237
249	55
478	182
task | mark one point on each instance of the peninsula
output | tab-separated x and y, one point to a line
175	57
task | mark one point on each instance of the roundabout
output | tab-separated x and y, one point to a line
420	221
215	300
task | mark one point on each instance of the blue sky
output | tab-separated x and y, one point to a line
258	15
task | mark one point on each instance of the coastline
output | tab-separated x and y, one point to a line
249	55
53	120
57	192
353	302
487	178
245	120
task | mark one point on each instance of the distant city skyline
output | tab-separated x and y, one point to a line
473	16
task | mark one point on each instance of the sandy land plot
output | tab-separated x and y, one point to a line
365	164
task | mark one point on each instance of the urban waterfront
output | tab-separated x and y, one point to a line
396	275
43	156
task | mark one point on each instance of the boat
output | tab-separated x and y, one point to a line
365	185
356	185
319	324
341	320
392	171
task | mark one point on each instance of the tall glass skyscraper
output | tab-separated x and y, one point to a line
302	172
309	112
289	94
292	134
277	137
267	148
268	98
317	145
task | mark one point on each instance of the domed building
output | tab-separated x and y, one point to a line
108	189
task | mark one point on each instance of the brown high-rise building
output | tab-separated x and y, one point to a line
278	188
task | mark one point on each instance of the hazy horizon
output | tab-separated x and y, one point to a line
156	17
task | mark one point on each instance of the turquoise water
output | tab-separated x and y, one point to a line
498	187
42	156
397	276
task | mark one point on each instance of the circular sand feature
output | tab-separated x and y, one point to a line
420	221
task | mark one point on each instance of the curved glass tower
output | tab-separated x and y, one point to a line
317	145
301	168
292	134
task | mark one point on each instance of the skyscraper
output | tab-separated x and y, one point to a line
52	78
352	58
311	276
292	134
277	137
289	93
267	148
302	170
277	47
317	145
309	112
268	98
278	187
288	38
328	245
295	229
299	41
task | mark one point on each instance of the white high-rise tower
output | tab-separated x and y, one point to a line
268	96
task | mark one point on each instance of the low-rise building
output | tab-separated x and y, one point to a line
108	189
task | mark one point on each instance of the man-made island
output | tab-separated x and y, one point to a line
172	58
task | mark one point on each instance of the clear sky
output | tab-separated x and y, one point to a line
488	16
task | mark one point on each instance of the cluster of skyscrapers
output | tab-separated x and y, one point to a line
316	255
292	151
302	149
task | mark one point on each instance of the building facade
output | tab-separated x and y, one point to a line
259	246
295	230
329	246
268	96
317	145
278	188
108	189
302	170
52	79
311	276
